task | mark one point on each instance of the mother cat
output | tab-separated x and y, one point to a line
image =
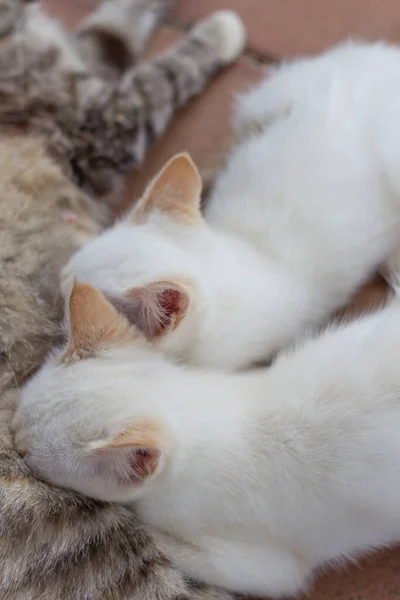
74	115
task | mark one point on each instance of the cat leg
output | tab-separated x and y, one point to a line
125	118
170	80
112	38
240	567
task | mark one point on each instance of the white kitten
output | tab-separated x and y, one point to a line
251	481
305	211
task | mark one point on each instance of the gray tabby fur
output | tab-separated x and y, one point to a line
100	127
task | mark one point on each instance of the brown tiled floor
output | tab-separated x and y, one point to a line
276	29
284	28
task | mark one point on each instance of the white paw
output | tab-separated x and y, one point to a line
229	32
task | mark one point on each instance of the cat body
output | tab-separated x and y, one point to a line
251	481
67	136
37	238
58	545
306	210
74	115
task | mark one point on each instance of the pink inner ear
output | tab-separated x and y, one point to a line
170	301
154	308
141	464
138	463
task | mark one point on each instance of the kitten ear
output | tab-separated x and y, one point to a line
132	454
92	321
175	192
156	308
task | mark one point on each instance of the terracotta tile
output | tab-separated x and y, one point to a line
202	127
376	578
162	40
285	28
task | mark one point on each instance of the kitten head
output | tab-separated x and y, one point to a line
89	419
155	265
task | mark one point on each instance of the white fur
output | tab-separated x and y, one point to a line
230	29
304	213
264	476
